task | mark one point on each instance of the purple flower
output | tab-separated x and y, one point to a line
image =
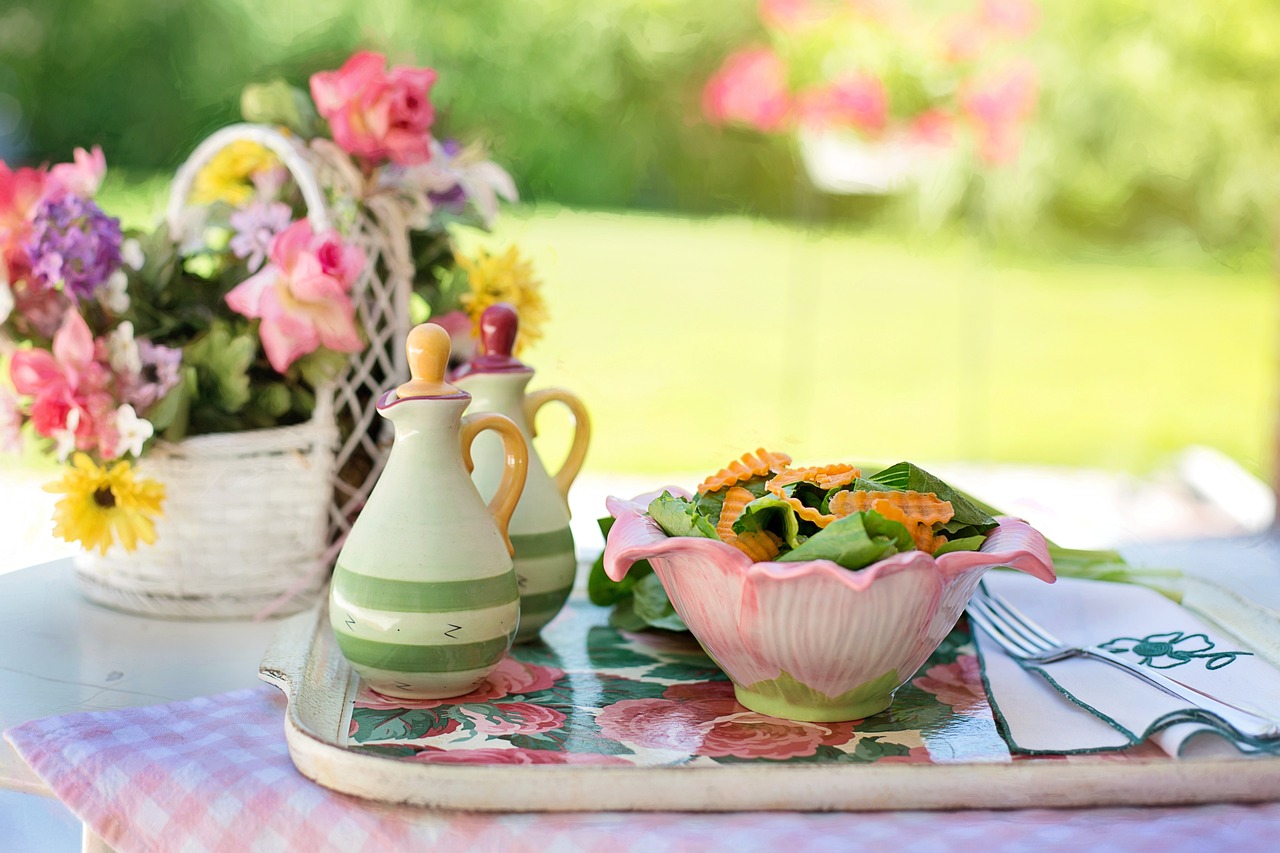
256	225
159	374
75	243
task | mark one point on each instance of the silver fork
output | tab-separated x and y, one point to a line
1024	639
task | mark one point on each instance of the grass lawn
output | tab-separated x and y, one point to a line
693	340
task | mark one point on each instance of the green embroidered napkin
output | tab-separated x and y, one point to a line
1077	705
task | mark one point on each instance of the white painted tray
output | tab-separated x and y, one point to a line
594	719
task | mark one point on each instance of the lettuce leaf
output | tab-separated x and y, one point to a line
854	542
770	513
678	517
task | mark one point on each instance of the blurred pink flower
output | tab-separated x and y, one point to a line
998	107
751	89
378	114
1015	17
82	177
10	423
789	15
20	191
462	337
933	127
859	102
302	296
69	389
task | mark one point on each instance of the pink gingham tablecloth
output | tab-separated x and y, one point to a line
214	774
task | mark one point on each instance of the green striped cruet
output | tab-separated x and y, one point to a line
544	553
424	601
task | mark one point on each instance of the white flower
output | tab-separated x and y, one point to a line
6	296
122	350
65	439
133	430
114	295
131	254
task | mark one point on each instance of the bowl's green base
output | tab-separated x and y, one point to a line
814	712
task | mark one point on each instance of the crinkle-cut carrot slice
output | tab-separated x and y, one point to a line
924	507
735	501
796	475
921	534
834	476
750	465
759	545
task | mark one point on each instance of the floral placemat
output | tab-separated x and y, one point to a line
589	694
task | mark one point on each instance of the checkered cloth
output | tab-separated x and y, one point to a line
214	774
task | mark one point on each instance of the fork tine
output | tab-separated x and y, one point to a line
995	628
1017	621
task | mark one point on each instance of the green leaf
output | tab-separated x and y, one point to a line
770	513
677	517
624	616
321	366
908	477
222	361
852	542
654	607
277	102
968	543
273	399
601	589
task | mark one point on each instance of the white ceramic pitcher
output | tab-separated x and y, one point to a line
545	561
424	601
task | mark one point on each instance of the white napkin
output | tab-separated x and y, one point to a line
1079	705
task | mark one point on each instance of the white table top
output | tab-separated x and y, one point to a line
61	654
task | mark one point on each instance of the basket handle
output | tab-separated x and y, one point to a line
290	154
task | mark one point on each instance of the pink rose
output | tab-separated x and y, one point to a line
916	755
302	299
515	718
956	684
511	677
513	756
705	719
376	114
82	177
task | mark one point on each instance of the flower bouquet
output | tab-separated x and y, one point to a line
881	85
209	384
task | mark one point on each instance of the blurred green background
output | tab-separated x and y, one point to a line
1105	300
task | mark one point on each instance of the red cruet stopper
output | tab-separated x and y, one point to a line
499	325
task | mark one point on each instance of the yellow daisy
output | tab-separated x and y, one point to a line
228	176
507	277
103	504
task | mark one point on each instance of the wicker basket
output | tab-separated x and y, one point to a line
252	519
245	524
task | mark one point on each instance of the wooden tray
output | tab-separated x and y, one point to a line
595	719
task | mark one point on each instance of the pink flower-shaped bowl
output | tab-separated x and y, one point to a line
813	640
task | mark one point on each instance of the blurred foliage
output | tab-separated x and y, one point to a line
1157	120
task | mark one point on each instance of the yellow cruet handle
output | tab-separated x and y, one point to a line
505	499
568	472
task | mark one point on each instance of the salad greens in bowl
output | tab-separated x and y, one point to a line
818	591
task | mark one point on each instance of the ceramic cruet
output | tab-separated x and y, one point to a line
424	601
544	553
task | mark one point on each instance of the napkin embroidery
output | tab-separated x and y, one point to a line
1160	651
